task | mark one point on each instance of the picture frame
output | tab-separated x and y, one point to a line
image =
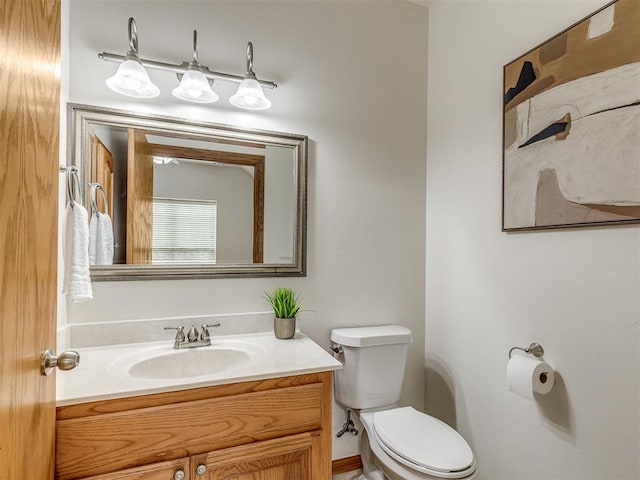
571	126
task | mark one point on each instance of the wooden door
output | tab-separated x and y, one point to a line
29	130
139	199
102	172
285	458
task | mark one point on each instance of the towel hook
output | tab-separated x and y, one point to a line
534	349
94	203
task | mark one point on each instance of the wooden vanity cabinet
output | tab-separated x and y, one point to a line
274	429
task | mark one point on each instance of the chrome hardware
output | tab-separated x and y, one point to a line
192	336
179	333
204	334
348	426
74	192
179	475
96	187
67	360
336	348
192	339
201	469
534	349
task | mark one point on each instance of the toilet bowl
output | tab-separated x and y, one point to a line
398	443
404	444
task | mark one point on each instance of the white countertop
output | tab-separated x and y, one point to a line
103	372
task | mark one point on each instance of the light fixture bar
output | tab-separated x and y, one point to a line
182	68
196	80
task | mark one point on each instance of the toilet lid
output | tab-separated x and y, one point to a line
422	440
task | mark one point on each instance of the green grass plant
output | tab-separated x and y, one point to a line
284	302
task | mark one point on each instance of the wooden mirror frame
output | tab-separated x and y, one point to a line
79	147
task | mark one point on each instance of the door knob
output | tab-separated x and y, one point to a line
202	469
67	360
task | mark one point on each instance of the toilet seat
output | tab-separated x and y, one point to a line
423	443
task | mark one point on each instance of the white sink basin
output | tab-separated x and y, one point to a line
189	363
162	363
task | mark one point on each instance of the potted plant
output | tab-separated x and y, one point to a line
285	305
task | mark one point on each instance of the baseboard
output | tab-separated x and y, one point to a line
347	464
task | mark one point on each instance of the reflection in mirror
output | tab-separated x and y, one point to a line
190	200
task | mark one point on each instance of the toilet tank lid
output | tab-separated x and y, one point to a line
371	336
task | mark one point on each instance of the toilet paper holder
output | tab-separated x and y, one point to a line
534	349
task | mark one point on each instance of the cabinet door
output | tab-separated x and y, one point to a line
173	470
285	458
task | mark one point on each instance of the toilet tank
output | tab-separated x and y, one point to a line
374	359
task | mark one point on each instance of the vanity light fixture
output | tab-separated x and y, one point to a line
250	95
196	80
194	86
132	79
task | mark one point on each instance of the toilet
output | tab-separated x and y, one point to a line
399	443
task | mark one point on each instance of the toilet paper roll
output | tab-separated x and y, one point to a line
526	375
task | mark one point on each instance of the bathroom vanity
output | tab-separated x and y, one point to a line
267	418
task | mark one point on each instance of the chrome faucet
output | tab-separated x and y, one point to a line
192	339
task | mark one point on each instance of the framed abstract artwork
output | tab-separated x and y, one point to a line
571	126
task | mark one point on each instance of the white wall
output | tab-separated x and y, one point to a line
279	205
577	291
352	77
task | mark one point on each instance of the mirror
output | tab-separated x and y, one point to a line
190	199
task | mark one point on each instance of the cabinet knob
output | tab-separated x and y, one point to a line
179	475
201	469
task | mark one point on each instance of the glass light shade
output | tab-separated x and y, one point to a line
194	87
250	96
132	80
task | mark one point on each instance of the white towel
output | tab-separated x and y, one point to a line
100	240
77	281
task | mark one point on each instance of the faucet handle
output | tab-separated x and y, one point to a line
204	335
179	332
192	336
